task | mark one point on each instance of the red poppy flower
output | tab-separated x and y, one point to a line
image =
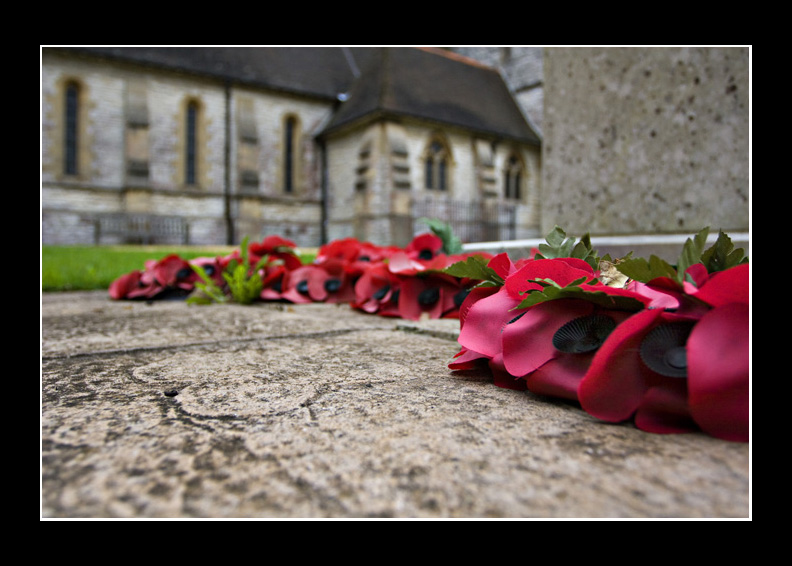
491	358
272	282
126	286
174	272
277	248
328	282
376	290
169	276
679	371
295	284
431	294
551	345
331	283
345	249
424	247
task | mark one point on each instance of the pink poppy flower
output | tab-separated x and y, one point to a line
679	371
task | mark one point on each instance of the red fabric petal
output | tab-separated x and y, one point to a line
485	320
467	359
730	286
719	372
427	241
617	380
528	341
561	271
560	377
664	410
502	265
121	287
502	378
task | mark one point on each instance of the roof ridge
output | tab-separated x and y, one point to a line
456	56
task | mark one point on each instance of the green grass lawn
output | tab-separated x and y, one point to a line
73	268
82	268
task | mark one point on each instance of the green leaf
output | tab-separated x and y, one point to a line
474	267
208	291
558	245
644	270
551	291
451	244
691	253
722	255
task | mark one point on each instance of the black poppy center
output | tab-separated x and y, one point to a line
209	269
664	349
425	253
183	272
428	297
332	285
460	297
302	287
583	334
381	292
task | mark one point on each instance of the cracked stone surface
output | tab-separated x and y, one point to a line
166	410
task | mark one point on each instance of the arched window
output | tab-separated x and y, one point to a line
191	144
71	128
512	178
289	152
436	163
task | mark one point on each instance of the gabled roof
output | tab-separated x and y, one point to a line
426	84
430	84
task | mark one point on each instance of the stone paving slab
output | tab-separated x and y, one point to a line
165	410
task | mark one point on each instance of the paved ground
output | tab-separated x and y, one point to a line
166	410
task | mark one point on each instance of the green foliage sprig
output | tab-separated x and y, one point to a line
475	267
452	245
243	284
558	245
552	291
718	257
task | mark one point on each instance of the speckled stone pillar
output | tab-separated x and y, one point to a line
642	140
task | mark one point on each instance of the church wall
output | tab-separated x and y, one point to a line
132	155
377	181
132	148
262	203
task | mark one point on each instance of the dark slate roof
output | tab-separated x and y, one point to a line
312	71
427	84
435	85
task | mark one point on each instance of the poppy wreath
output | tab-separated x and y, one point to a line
666	347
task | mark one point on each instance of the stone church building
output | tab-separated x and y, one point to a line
208	145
